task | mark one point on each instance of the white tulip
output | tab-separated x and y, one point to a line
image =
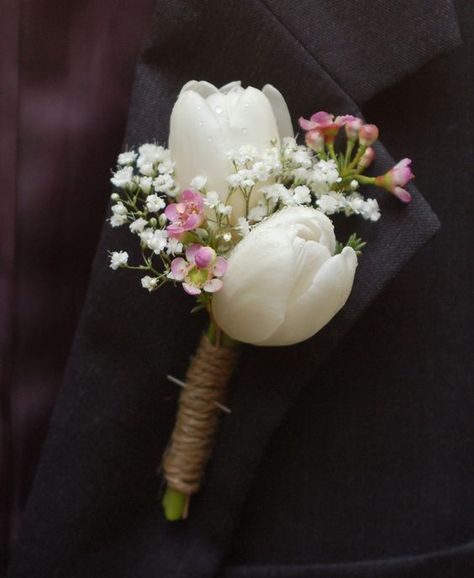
283	282
206	123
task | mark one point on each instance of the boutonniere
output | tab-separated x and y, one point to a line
236	213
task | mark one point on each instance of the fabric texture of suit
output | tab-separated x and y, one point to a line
346	455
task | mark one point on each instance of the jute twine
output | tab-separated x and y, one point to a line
198	416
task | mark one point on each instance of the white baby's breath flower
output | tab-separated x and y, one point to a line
275	192
261	171
151	153
227	237
371	210
354	185
166	167
301	174
242	227
174	246
118	220
138	225
149	283
302	195
199	182
127	158
289	143
328	204
123	178
223	209
115	196
154	203
212	199
146	169
244	154
355	204
258	213
328	171
118	259
155	240
145	184
163	184
119	209
301	158
242	178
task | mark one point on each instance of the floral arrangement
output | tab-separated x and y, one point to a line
237	213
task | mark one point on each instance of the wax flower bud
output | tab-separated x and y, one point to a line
396	178
368	134
315	140
352	125
366	159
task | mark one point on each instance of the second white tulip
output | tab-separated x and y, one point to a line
283	282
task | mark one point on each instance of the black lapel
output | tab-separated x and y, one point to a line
94	510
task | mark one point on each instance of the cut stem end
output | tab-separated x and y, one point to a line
175	505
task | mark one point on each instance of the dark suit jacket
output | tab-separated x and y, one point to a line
347	455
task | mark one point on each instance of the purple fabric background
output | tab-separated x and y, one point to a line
67	69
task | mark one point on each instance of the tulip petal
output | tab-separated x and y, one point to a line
318	225
280	110
197	143
315	307
230	86
202	87
252	302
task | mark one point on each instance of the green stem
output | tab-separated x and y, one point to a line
349	148
365	180
357	158
174	505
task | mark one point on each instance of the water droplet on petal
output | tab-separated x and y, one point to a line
244	131
218	109
209	138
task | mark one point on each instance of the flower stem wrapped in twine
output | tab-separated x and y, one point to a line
200	403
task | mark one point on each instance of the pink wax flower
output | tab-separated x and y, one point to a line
368	134
200	271
396	178
324	123
186	215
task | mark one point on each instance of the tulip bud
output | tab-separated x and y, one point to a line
368	134
283	282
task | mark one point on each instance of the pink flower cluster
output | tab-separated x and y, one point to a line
186	215
200	271
322	127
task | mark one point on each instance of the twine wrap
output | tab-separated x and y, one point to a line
192	439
